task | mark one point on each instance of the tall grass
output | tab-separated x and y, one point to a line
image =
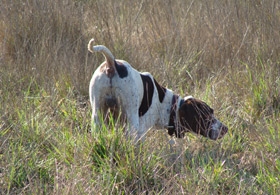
224	52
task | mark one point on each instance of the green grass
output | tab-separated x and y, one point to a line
225	53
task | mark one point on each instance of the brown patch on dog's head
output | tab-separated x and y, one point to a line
196	116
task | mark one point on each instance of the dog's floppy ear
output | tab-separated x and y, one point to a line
188	115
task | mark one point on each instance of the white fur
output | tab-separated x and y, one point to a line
129	91
188	97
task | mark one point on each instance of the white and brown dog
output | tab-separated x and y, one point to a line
117	87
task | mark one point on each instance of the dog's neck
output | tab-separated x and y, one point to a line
173	122
173	125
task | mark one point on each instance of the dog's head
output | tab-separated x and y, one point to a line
196	116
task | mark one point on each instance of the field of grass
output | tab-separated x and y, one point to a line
226	53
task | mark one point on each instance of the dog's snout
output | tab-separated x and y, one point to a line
218	130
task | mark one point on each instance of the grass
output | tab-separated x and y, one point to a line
226	53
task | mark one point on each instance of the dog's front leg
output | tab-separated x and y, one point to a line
141	134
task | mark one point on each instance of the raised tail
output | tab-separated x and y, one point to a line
110	59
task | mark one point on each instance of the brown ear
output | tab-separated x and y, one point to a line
188	115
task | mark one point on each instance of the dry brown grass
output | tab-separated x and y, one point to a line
225	52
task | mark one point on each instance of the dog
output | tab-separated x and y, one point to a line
118	88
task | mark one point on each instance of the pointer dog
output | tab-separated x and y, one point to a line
117	87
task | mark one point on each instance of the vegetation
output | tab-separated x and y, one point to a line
224	52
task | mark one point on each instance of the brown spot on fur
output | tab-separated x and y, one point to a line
148	87
108	70
161	91
121	69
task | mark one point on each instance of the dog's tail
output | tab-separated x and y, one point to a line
104	50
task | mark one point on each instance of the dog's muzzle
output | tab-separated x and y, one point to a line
218	130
